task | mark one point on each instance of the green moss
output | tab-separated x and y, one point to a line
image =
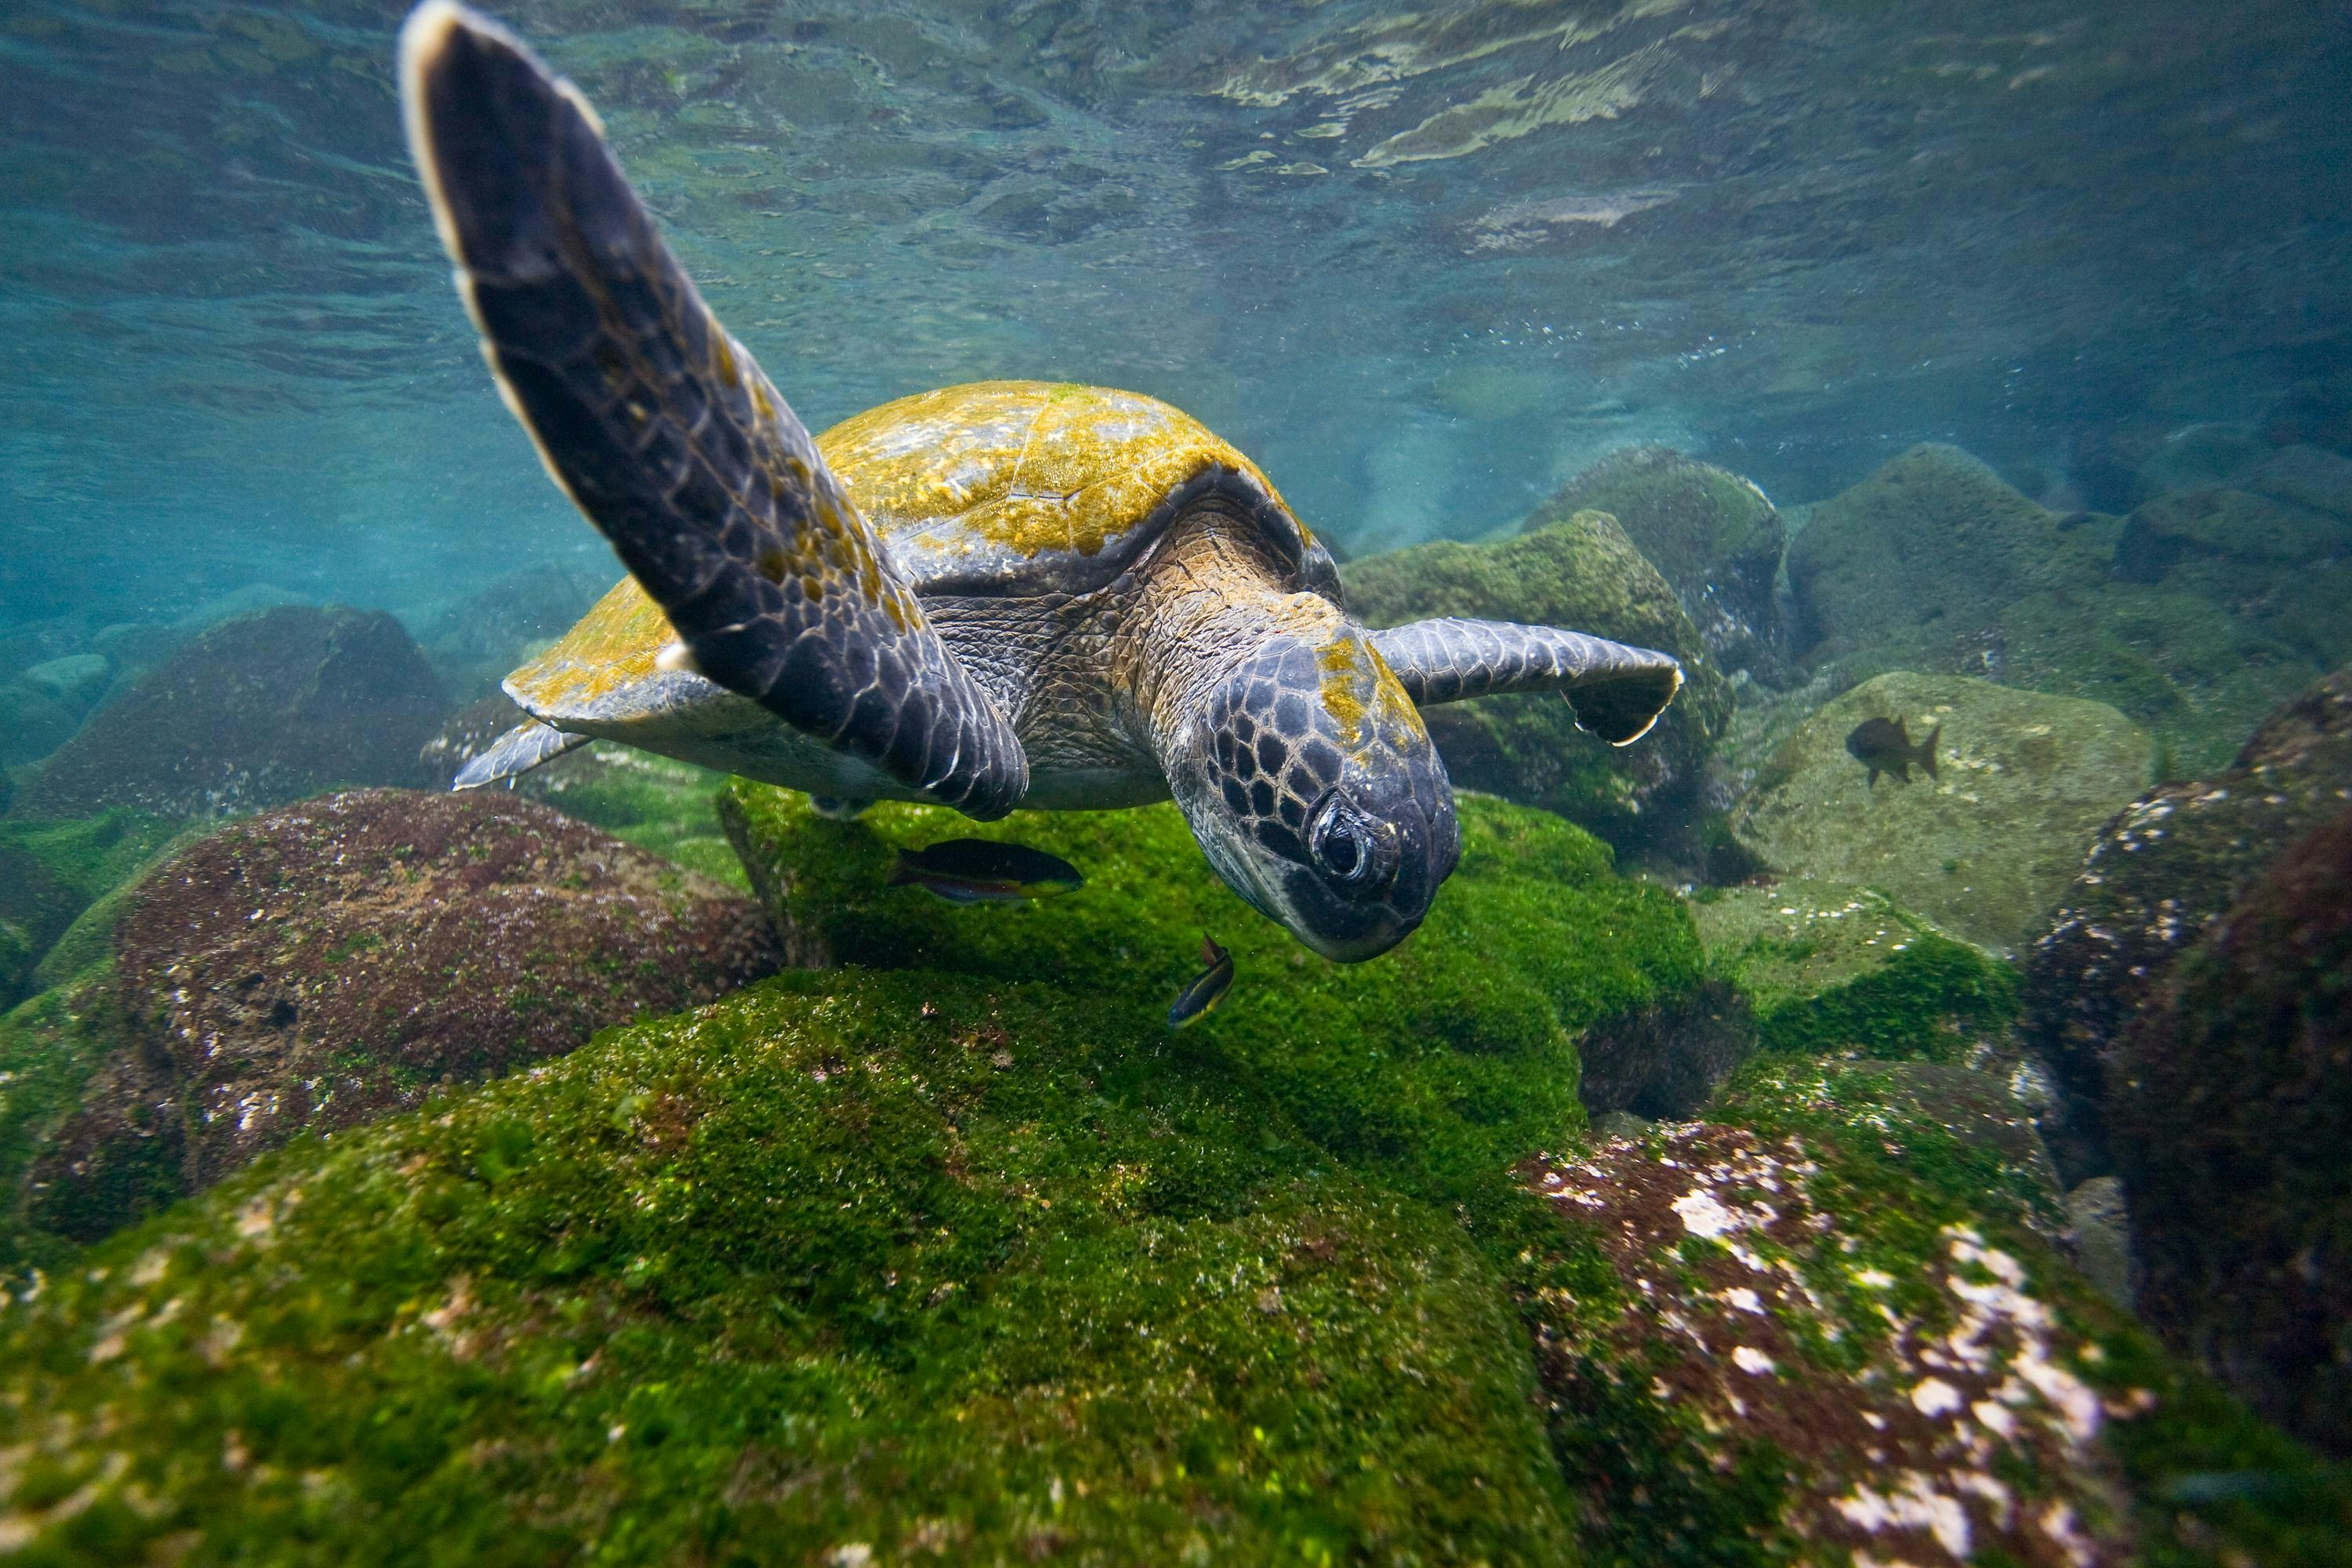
910	1260
1446	1057
50	1048
1838	970
51	871
2211	1483
654	803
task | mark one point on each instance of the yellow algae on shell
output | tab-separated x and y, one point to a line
615	644
1018	468
1028	467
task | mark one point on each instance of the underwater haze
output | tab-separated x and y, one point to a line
1421	265
1513	782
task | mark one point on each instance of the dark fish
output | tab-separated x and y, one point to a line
1207	989
1882	746
981	871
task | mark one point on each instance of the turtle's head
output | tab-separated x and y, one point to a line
1313	789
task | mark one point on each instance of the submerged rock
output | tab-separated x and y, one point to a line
2230	1101
51	872
1536	962
870	1267
1934	563
1581	572
325	964
1837	970
2156	877
1712	535
263	708
1984	850
74	682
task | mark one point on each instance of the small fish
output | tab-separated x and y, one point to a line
1207	989
981	871
1882	746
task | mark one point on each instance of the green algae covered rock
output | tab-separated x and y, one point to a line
2195	617
1927	553
1985	850
1712	535
57	1052
1581	572
1833	969
848	1267
51	871
1461	1040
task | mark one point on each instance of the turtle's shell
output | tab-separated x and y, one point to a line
996	489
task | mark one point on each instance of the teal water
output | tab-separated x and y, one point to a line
1421	266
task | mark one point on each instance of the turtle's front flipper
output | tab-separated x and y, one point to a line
516	753
1617	691
666	434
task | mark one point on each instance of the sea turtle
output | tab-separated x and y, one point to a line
1011	594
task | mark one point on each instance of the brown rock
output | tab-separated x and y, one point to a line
263	708
332	963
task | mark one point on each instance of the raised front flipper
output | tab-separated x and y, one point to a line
667	435
1618	691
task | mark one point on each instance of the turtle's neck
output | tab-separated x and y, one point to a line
1210	597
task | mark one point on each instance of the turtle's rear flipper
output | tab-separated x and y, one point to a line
516	753
1618	691
666	434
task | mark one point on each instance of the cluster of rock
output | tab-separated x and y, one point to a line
947	1247
2189	1005
937	1243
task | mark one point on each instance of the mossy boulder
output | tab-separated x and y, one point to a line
867	1266
266	707
1713	535
1934	563
1985	848
1535	956
2285	566
2230	1103
1583	573
1927	553
57	1052
2155	878
849	1267
325	964
51	872
1833	969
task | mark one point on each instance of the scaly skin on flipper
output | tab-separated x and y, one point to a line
1617	691
668	436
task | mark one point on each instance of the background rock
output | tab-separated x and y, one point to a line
1985	849
1583	574
2231	1105
262	708
1934	563
325	964
1713	535
52	871
1835	968
2156	877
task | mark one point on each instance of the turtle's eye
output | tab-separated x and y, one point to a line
1357	853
